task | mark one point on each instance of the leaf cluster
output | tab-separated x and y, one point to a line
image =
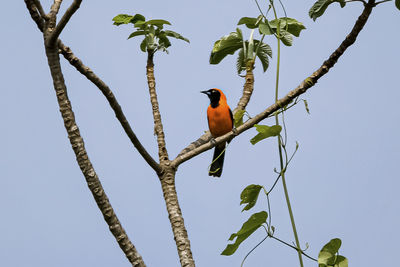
155	37
328	256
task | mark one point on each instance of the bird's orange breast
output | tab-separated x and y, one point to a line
219	120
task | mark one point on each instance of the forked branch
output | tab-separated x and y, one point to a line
75	138
34	8
64	20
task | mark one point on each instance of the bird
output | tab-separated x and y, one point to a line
220	122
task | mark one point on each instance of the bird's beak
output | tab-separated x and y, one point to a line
205	92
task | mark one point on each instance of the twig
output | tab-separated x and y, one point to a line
63	21
362	1
195	149
380	2
287	244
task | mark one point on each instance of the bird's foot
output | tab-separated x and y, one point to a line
212	141
235	131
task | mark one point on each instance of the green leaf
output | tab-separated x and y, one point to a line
251	225
240	66
238	117
176	35
157	22
264	132
264	51
286	38
143	45
227	45
164	41
319	7
125	19
341	261
397	3
137	17
251	23
327	255
249	195
122	19
290	25
140	24
136	33
265	28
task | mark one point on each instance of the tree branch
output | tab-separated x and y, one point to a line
84	163
40	9
158	126
55	7
248	88
77	142
63	21
301	89
33	7
91	76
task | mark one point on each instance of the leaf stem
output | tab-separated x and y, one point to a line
280	144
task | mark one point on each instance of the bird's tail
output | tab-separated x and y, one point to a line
218	161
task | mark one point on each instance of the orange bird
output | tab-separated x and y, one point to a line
220	122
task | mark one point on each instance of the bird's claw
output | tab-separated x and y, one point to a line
212	141
235	131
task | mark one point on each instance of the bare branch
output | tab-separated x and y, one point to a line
40	9
158	126
91	76
301	89
63	21
33	11
84	163
381	2
88	73
248	88
55	7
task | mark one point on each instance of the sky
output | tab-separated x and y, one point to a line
343	182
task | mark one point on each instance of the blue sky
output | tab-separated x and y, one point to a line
343	182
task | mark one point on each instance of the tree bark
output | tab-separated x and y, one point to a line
167	180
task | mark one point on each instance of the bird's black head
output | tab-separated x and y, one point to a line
214	95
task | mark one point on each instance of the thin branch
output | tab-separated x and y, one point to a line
91	76
381	2
301	89
40	9
35	15
55	7
63	21
158	126
362	1
287	244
